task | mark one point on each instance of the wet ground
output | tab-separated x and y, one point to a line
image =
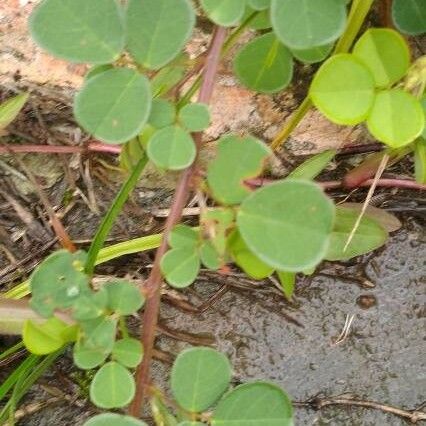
382	359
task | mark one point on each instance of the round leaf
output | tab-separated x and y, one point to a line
312	55
209	256
369	235
44	338
385	53
264	64
112	419
287	224
195	117
396	118
162	113
224	12
99	333
303	24
58	282
199	377
123	297
90	305
259	403
343	90
128	352
114	105
180	266
409	16
87	357
171	148
246	260
157	30
225	180
183	236
78	30
112	387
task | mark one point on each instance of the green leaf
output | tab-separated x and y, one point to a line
215	224
99	334
409	16
343	89
112	387
287	224
224	12
157	30
314	54
114	105
47	337
303	24
368	237
258	403
132	152
172	148
420	160
385	219
112	419
195	117
237	159
87	357
385	53
396	118
180	266
313	166
261	20
124	298
199	377
259	4
183	236
10	109
423	102
209	256
163	113
288	282
98	69
246	260
79	31
188	423
264	64
90	305
161	413
128	352
58	282
165	79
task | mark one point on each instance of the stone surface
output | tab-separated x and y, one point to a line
234	108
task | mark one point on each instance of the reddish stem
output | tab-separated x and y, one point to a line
57	149
386	183
152	287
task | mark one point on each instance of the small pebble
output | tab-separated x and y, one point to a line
366	301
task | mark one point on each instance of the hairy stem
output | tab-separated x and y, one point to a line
153	284
58	149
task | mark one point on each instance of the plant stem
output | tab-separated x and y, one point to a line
292	123
113	212
153	284
58	149
357	15
227	45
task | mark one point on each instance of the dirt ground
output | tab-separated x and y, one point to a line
265	336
